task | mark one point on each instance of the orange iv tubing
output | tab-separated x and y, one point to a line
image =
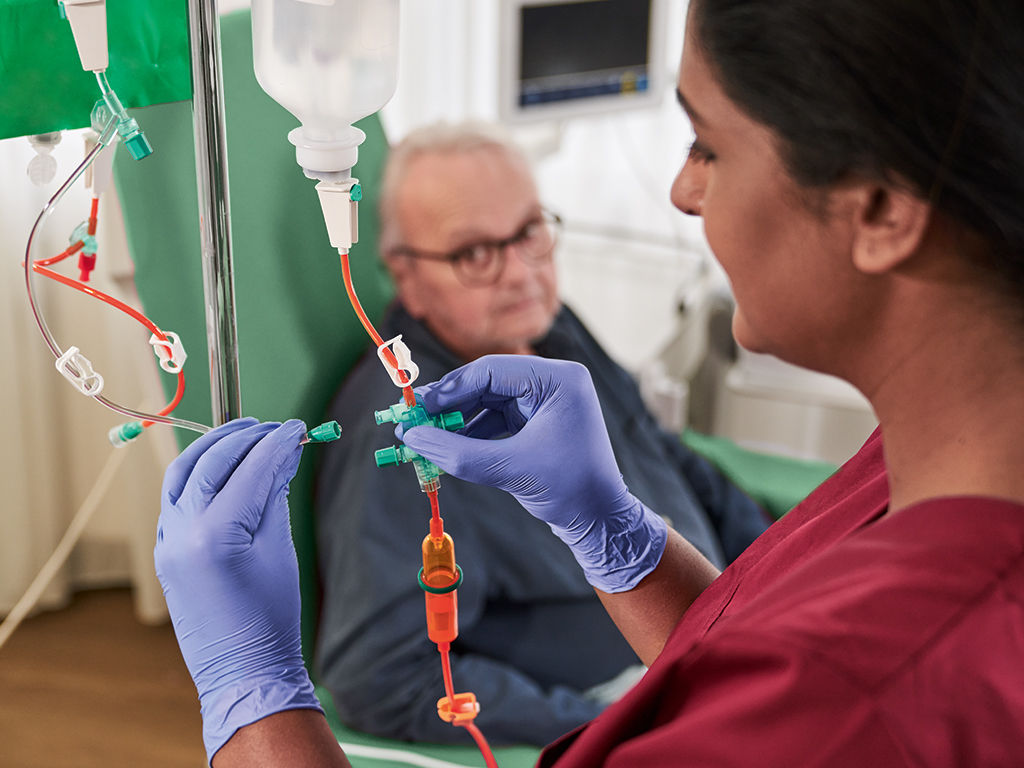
440	576
346	274
34	266
41	266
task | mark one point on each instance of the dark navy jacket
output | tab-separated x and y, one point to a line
533	635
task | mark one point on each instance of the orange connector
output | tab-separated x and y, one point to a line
459	709
440	579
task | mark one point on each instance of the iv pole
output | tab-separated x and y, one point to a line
214	209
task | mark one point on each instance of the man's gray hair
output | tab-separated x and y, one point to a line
436	138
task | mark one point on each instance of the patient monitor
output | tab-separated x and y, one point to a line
579	57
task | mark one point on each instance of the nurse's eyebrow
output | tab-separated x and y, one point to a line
688	108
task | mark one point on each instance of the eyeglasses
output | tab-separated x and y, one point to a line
480	264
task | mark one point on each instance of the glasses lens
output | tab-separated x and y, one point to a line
482	264
479	265
538	239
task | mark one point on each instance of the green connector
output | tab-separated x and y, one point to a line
325	433
392	457
131	134
356	193
124	433
417	416
60	10
135	141
81	232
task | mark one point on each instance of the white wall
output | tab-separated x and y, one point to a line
628	251
55	438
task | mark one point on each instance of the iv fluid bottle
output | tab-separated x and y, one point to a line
329	63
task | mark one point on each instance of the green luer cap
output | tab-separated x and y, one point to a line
138	146
325	433
124	433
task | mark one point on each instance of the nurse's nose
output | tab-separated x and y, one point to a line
688	187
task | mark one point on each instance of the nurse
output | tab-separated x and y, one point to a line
859	167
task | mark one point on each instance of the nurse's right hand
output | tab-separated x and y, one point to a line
537	432
225	558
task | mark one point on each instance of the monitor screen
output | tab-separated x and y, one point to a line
577	57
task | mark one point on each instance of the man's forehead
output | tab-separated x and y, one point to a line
461	196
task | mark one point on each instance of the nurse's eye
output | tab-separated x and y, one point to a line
699	153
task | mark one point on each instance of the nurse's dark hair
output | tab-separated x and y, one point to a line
927	93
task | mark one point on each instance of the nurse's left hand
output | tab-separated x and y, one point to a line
225	557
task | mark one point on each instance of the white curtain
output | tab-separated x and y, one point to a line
55	440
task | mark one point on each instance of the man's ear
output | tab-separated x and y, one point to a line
889	226
403	269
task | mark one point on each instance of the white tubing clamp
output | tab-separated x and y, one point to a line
404	358
170	351
76	368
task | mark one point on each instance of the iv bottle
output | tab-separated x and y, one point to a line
329	63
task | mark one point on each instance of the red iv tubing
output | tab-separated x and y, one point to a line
41	266
440	576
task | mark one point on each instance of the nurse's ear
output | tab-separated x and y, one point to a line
890	223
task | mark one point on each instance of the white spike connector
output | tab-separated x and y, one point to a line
88	20
339	201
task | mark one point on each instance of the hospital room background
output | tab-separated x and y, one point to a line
637	271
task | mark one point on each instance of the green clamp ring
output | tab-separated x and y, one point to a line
440	590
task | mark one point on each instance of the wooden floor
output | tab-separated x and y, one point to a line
90	687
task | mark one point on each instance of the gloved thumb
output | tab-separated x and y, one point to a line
467	458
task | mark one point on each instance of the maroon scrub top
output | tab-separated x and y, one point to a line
840	638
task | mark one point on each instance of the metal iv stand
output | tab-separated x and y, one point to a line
214	209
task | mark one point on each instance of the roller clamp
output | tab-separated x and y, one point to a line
461	708
406	367
76	368
170	351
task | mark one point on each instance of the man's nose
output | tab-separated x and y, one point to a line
688	187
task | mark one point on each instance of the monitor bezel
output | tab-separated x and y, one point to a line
510	39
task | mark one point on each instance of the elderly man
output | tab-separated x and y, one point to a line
470	249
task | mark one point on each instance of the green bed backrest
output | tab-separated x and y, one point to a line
297	334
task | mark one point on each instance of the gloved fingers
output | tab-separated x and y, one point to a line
274	523
476	461
268	465
178	471
482	383
217	463
490	424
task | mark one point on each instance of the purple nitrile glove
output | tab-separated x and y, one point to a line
225	557
537	432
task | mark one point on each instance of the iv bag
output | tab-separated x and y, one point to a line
329	63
